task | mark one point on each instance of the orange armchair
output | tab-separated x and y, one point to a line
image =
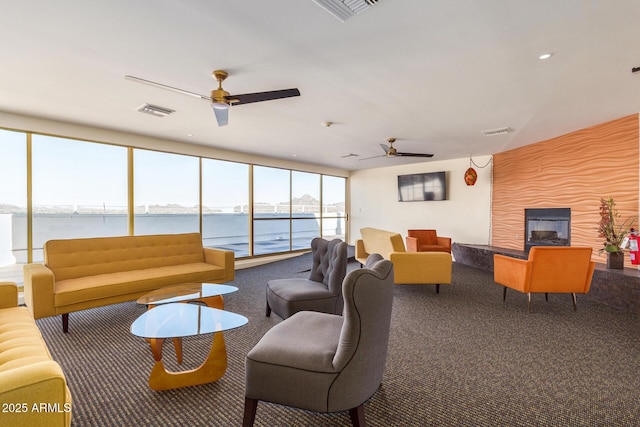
549	269
427	241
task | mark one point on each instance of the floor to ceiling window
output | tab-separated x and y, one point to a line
60	188
334	214
166	193
305	208
13	204
225	206
79	190
271	209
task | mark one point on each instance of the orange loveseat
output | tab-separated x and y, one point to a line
427	241
549	269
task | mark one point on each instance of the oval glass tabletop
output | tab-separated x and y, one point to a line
182	320
185	292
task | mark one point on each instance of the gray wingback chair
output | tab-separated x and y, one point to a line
322	291
326	362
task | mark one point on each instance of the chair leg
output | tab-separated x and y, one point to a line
504	294
529	302
357	416
250	407
65	323
268	311
573	297
546	296
437	288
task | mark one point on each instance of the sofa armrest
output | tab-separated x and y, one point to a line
412	244
222	258
8	294
40	383
514	273
361	255
39	290
421	267
445	241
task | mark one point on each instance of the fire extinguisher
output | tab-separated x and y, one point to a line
634	252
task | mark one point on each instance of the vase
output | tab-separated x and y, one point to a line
615	260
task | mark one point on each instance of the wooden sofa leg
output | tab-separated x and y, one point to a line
250	407
357	416
573	297
65	323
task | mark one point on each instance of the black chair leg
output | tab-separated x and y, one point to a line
437	288
546	296
65	323
504	294
357	416
268	311
250	407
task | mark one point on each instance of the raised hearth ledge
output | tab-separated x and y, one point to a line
619	289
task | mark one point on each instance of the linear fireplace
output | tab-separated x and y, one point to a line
547	227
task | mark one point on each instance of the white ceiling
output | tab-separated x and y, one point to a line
433	74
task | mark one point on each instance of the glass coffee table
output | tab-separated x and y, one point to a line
206	293
170	316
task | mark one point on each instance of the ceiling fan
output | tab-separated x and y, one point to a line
390	151
220	99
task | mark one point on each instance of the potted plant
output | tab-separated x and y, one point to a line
614	230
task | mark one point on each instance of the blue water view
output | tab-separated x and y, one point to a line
273	233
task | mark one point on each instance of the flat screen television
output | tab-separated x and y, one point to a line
420	187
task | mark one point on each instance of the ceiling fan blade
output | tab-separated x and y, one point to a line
413	154
222	115
385	148
373	157
163	86
248	98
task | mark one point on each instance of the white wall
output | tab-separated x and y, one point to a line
465	216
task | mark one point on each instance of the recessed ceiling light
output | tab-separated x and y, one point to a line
545	56
189	134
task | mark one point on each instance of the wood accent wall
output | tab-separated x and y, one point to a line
570	171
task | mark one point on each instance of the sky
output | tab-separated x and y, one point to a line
70	172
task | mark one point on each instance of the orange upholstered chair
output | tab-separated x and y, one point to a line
427	241
549	269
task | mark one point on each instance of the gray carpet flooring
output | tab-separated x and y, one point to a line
458	358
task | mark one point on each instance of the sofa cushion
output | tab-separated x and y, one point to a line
101	286
75	258
381	241
432	248
21	343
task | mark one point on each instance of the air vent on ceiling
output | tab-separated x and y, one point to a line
499	131
154	110
345	9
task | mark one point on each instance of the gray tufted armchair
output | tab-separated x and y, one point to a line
322	291
325	362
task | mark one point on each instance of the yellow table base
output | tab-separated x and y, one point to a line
212	369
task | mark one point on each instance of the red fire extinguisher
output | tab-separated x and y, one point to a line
634	252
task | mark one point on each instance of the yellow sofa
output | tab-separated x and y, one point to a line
408	267
85	273
33	389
